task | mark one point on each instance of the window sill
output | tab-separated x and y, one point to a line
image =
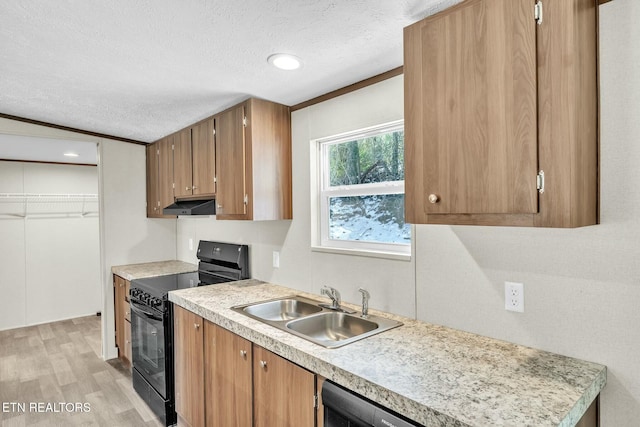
365	253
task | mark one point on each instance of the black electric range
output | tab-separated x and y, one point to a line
152	320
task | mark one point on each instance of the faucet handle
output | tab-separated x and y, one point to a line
333	294
327	290
365	301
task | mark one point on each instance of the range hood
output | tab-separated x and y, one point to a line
191	207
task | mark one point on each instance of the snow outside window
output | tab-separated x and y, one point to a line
362	191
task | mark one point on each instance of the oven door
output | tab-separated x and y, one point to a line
148	346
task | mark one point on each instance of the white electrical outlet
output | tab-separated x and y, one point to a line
276	259
514	296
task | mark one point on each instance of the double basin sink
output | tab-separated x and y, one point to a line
310	320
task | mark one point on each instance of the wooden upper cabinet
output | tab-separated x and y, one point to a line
241	157
165	165
182	161
194	160
253	162
203	157
491	99
159	177
231	163
189	366
153	198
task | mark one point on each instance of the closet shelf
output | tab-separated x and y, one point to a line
25	205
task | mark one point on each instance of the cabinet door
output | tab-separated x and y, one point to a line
182	170
153	198
470	111
119	286
283	393
204	159
124	302
127	341
189	366
228	373
165	174
230	162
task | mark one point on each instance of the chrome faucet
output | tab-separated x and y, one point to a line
365	302
334	295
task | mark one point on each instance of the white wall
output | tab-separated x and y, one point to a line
49	268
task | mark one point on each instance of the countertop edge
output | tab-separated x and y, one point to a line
580	408
152	269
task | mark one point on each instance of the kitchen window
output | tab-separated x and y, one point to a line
361	191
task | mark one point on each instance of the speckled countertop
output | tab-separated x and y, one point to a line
152	269
434	375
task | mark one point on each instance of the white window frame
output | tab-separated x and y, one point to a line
325	192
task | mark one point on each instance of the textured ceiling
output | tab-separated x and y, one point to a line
144	69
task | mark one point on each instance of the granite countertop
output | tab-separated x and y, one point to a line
152	269
431	374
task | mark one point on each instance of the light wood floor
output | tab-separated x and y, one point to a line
58	363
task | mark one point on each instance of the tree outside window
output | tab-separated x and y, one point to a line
362	190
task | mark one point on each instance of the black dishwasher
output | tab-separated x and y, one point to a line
343	408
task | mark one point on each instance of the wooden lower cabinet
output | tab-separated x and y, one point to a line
188	339
222	379
127	341
122	314
228	378
283	393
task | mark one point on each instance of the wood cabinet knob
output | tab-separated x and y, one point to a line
196	325
263	364
243	354
433	198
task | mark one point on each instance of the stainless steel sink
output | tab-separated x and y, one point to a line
283	309
305	318
332	329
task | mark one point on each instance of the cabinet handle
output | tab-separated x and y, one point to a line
187	189
263	364
194	188
154	333
243	354
126	313
219	206
433	198
196	325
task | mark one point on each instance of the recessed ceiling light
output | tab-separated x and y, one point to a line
71	154
284	61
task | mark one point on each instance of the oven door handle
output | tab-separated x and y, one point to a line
137	309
